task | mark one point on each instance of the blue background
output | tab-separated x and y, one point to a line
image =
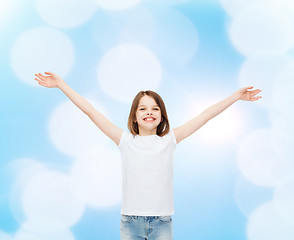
205	173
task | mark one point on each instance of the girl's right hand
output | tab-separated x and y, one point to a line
51	81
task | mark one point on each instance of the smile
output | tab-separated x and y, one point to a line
149	119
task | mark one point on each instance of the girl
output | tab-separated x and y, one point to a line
146	155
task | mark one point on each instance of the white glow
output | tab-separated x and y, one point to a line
176	39
261	72
116	4
41	49
264	223
282	88
282	116
34	227
167	3
130	68
24	169
5	236
131	27
283	122
97	177
137	27
72	131
257	159
283	138
284	199
223	128
262	29
248	195
6	9
233	7
22	235
49	201
288	7
66	13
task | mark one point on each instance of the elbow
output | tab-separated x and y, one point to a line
206	116
90	112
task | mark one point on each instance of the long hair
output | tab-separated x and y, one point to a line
162	128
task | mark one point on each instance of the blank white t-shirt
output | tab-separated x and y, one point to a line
147	164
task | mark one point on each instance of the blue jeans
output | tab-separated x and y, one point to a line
146	227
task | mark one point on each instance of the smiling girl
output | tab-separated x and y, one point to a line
147	155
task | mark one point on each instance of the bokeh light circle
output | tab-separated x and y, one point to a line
288	7
49	199
23	235
265	223
97	177
41	49
66	13
23	169
37	229
127	69
282	88
261	72
5	236
258	160
116	4
175	39
262	29
284	199
248	195
138	27
72	131
233	7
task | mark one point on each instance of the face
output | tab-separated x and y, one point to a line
148	115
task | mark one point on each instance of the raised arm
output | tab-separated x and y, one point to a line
107	127
194	124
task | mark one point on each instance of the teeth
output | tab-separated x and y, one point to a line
149	119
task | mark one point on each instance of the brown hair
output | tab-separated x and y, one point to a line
162	128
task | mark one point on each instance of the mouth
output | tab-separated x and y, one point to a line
149	119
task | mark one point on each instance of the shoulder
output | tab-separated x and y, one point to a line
171	136
126	135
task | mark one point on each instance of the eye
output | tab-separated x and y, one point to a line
156	108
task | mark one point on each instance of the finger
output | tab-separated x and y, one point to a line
41	75
246	88
255	98
255	92
38	76
43	84
49	73
249	87
39	80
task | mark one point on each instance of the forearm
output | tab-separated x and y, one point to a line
76	98
219	107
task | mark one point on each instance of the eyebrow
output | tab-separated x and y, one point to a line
153	106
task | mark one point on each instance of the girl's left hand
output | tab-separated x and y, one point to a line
246	95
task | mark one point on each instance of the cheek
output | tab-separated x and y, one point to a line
138	116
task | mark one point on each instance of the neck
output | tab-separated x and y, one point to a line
143	132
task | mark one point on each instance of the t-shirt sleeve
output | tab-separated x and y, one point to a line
173	137
122	139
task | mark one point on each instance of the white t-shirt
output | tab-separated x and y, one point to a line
147	174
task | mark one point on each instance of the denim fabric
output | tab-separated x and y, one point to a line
146	227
